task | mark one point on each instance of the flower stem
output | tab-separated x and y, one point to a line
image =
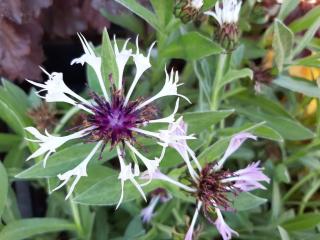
76	216
217	79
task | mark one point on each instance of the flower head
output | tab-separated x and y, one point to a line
211	184
227	16
113	118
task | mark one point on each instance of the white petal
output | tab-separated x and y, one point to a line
121	58
169	89
142	63
170	118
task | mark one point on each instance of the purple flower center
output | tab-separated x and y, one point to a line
113	121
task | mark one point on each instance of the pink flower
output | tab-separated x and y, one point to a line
249	178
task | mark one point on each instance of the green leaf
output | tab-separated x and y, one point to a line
191	46
107	192
63	161
305	21
305	87
307	37
287	7
126	20
7	141
199	121
310	61
302	222
29	228
282	173
11	117
163	10
283	233
4	188
134	229
108	58
279	124
267	133
282	43
246	201
142	12
232	75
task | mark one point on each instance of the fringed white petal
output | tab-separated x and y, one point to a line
49	144
79	171
142	63
151	165
94	61
58	91
122	58
170	88
127	173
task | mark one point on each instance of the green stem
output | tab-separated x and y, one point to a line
76	216
69	114
218	77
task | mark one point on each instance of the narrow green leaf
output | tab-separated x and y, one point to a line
283	233
142	12
199	121
236	74
29	228
163	10
287	7
302	222
305	21
307	37
4	188
109	64
191	46
282	43
305	87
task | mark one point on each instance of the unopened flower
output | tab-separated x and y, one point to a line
212	185
113	118
227	16
188	10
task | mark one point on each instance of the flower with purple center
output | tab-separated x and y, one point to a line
113	118
211	185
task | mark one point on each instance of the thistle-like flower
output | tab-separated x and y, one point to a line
211	185
113	118
227	16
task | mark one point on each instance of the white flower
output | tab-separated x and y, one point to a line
197	4
48	143
228	13
79	171
115	120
